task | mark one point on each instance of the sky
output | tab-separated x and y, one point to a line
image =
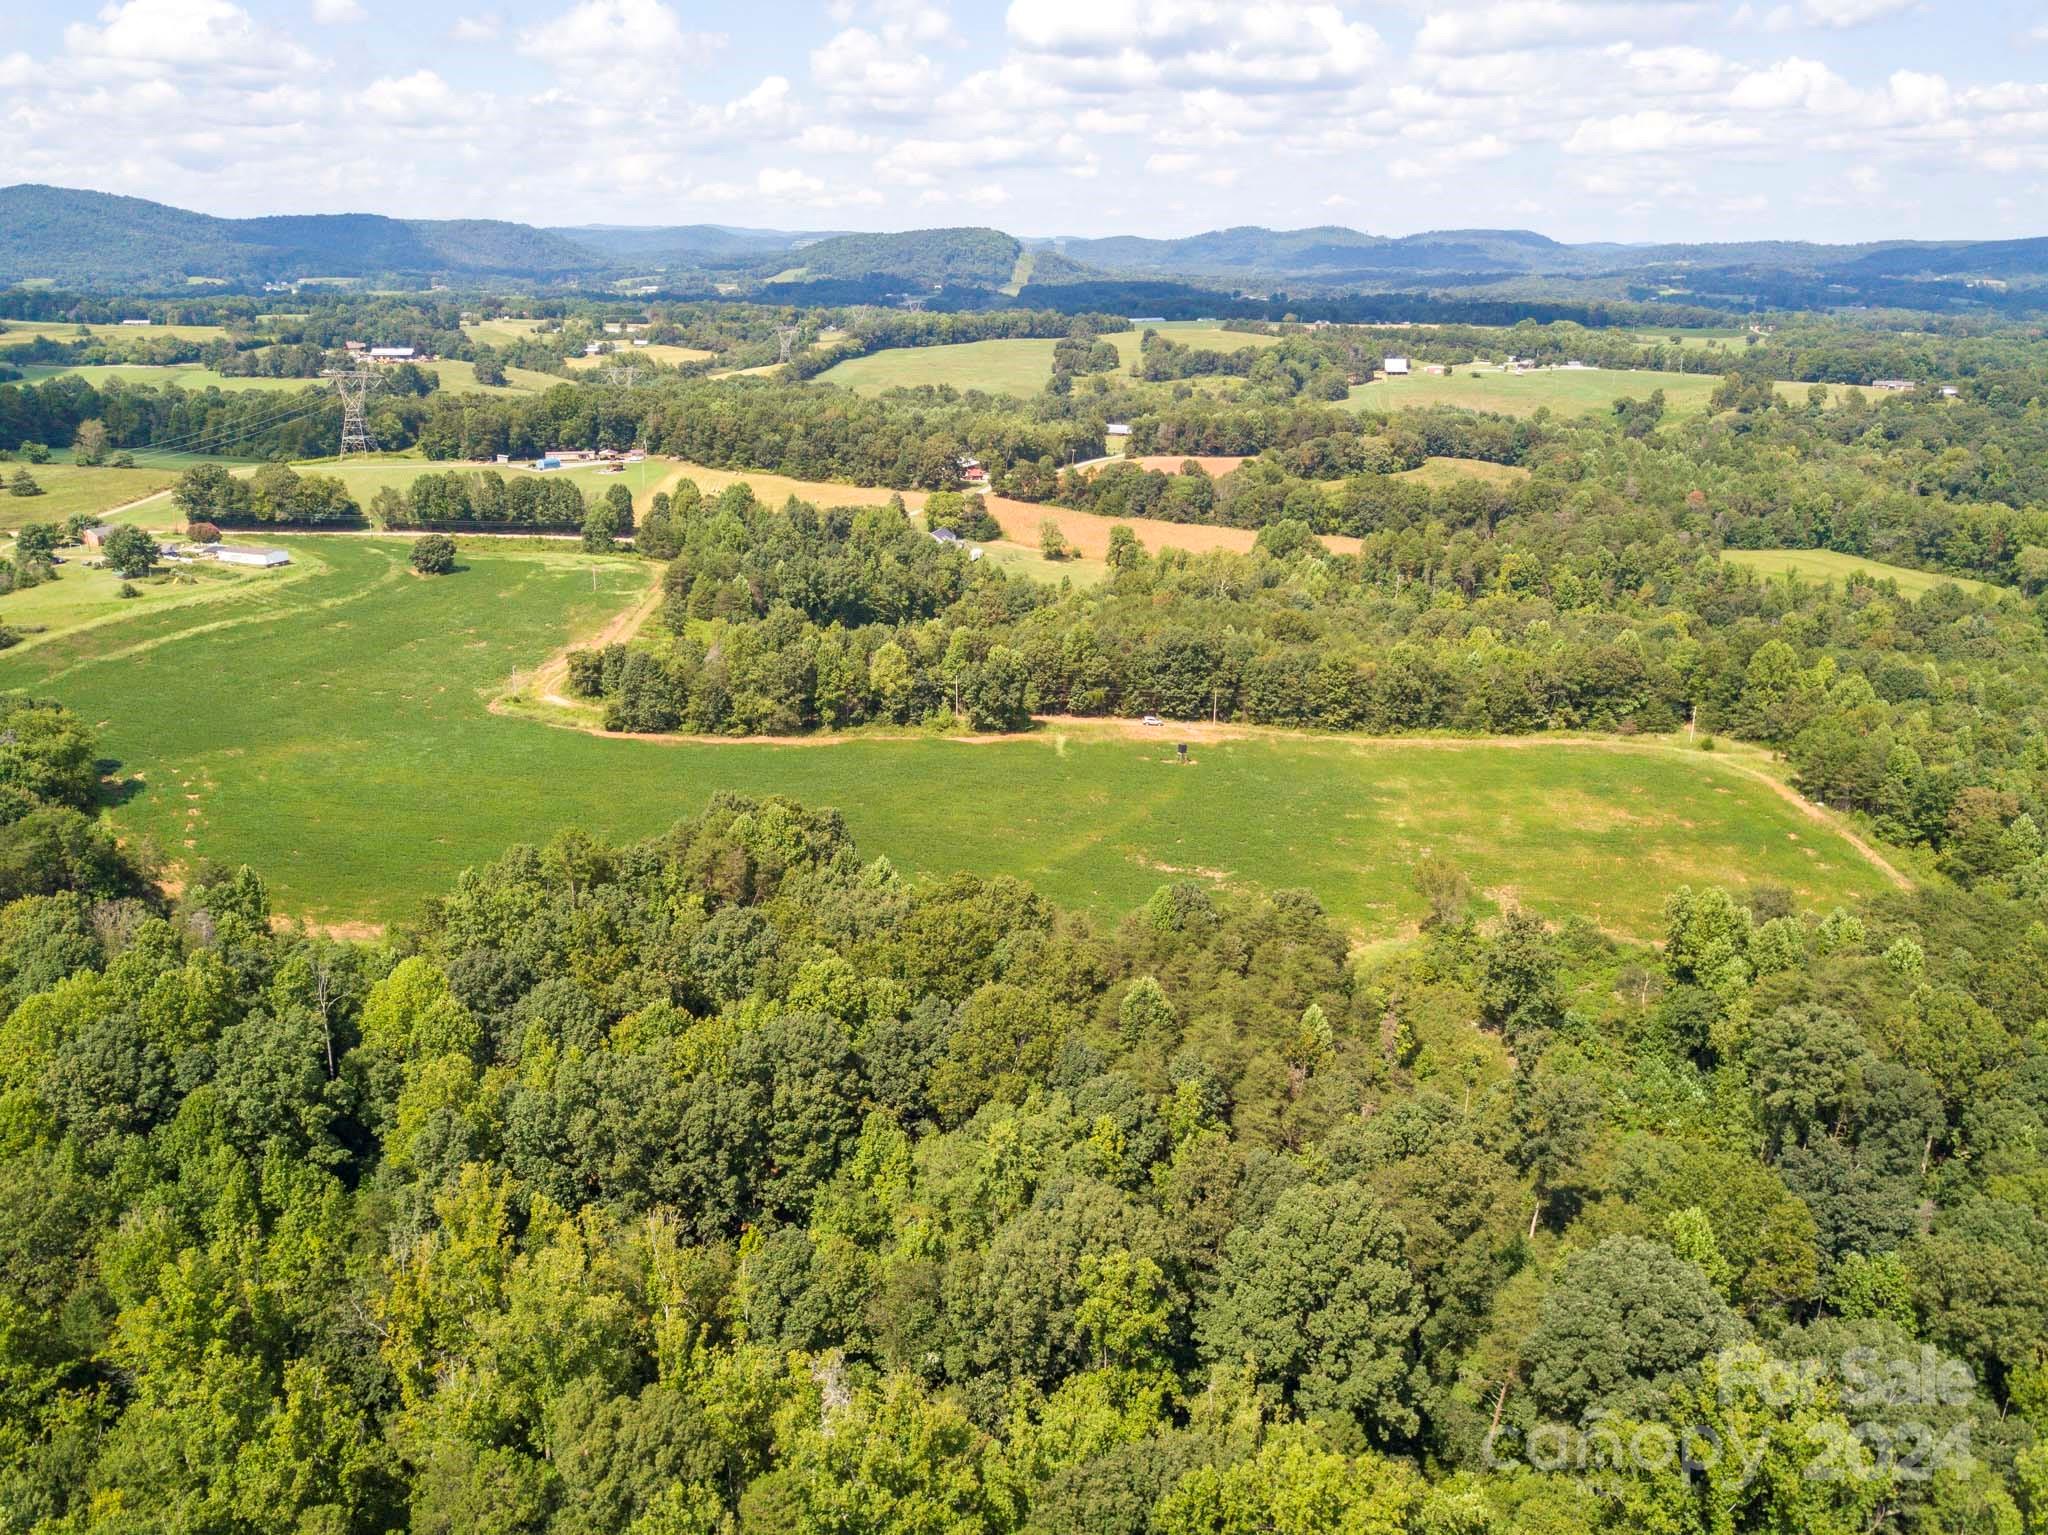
1584	119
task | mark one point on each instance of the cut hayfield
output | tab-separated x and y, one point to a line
1439	472
1089	533
1818	565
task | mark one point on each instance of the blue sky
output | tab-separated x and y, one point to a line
1586	119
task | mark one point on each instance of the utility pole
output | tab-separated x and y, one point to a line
354	386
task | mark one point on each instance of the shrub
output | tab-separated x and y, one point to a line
202	532
433	555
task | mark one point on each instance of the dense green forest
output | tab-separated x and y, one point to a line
731	1181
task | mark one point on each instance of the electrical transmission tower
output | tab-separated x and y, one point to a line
627	375
354	387
786	335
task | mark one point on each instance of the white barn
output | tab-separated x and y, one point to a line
1395	367
241	554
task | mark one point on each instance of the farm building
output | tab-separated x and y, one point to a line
1435	368
138	322
95	536
393	353
1117	429
1950	392
1395	367
970	469
945	536
1895	385
243	554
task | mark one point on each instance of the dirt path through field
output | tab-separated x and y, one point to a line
548	678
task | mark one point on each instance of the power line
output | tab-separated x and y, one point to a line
354	387
220	435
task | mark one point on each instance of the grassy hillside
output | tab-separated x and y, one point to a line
1007	367
1826	565
96	240
362	695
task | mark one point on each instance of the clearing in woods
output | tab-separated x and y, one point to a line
356	761
1566	391
1438	473
1020	367
1817	565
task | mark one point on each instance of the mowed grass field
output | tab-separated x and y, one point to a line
1817	565
188	376
1565	391
1008	367
19	332
68	490
628	354
334	732
80	598
456	377
1440	472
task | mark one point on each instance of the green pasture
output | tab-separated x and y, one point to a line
334	733
21	332
655	352
68	490
1817	565
458	377
1566	391
1440	472
1008	367
188	376
499	332
82	599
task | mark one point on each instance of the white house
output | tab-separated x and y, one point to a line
1395	367
392	353
241	554
1116	429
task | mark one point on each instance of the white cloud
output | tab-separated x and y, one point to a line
420	97
924	162
833	139
1257	45
606	30
1505	25
784	186
152	34
1656	132
865	71
1849	13
476	29
333	13
1805	84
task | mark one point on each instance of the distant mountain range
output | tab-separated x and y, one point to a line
97	241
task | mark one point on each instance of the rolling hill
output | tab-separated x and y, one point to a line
95	240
